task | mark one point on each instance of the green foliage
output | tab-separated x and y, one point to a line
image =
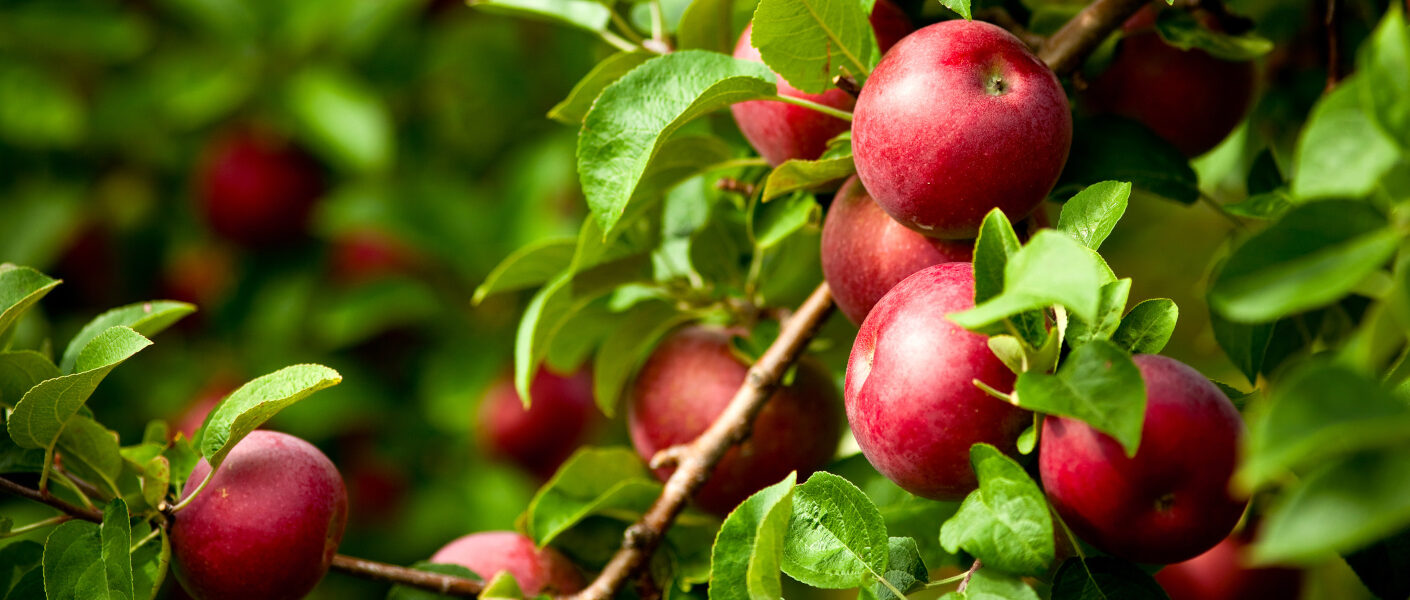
749	547
1182	30
245	409
1102	577
808	42
836	536
1097	384
1005	523
20	289
574	108
794	175
594	481
401	592
1051	268
1106	148
1091	215
40	416
146	318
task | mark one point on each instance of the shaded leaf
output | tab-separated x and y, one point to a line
1098	385
744	562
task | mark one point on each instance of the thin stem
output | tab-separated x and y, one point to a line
626	28
446	585
658	22
44	471
192	496
55	520
824	109
617	42
65	481
964	583
15	489
986	388
890	586
1219	208
156	531
946	581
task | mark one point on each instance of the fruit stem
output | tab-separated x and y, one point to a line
192	496
627	30
827	110
617	42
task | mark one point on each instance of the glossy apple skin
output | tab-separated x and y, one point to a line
1169	502
266	526
1189	98
256	189
782	131
1222	573
957	119
688	382
910	394
562	417
536	571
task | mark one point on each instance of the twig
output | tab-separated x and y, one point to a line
446	585
730	184
848	84
998	15
964	583
1333	46
1067	48
16	489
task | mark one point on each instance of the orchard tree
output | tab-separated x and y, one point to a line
1020	434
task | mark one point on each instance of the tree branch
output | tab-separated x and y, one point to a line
446	585
1067	48
16	489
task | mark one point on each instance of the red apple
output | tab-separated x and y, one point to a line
562	417
958	119
257	189
1188	97
266	526
368	254
1169	502
782	131
910	394
207	398
203	275
688	382
1224	573
536	571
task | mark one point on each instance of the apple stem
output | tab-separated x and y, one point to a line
617	42
964	583
827	110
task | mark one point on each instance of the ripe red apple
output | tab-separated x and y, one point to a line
562	417
257	189
1223	573
266	526
537	571
194	415
688	382
957	119
365	255
910	394
782	131
1169	502
1188	97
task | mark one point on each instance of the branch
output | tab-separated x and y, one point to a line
80	512
1001	17
1067	48
446	585
699	458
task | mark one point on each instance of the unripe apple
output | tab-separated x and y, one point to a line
910	390
1169	502
782	131
1188	97
688	382
266	526
257	189
561	417
960	118
1224	573
537	571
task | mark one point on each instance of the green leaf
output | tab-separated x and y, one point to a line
836	536
795	175
1385	59
1148	327
14	459
149	564
905	514
996	244
1268	205
1182	30
40	415
147	318
988	584
1113	302
401	592
1091	215
245	409
633	117
1315	255
40	110
744	562
1245	344
502	586
1114	148
1341	152
627	347
1051	269
1097	384
531	265
91	451
1005	522
21	370
593	481
809	42
182	457
773	222
905	571
116	536
707	25
342	119
1104	577
156	478
1338	508
73	562
961	8
583	14
20	289
16	560
1310	419
574	108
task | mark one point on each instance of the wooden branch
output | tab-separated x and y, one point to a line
1067	48
446	585
80	512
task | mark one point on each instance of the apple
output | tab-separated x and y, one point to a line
194	415
782	131
957	119
266	526
690	379
1171	501
910	394
1224	573
257	189
537	571
364	255
1189	98
539	438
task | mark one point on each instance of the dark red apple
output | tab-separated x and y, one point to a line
194	415
266	526
910	394
960	118
368	254
1224	573
1171	501
782	131
688	382
561	417
537	571
258	189
1188	97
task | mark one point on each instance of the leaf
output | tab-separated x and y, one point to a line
342	119
744	561
73	562
248	407
40	415
156	478
1115	148
1183	30
773	222
905	514
988	584
1384	59
1104	577
633	117
147	318
996	244
1098	385
707	25
14	459
40	109
574	108
149	565
1005	522
795	175
182	457
1311	257
502	586
961	8
836	536
531	265
1341	153
583	14
20	289
1245	344
1268	205
91	451
1379	566
627	347
1113	302
593	481
1310	419
116	535
21	370
16	560
809	42
1148	327
1338	508
401	592
1051	269
1091	215
905	571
